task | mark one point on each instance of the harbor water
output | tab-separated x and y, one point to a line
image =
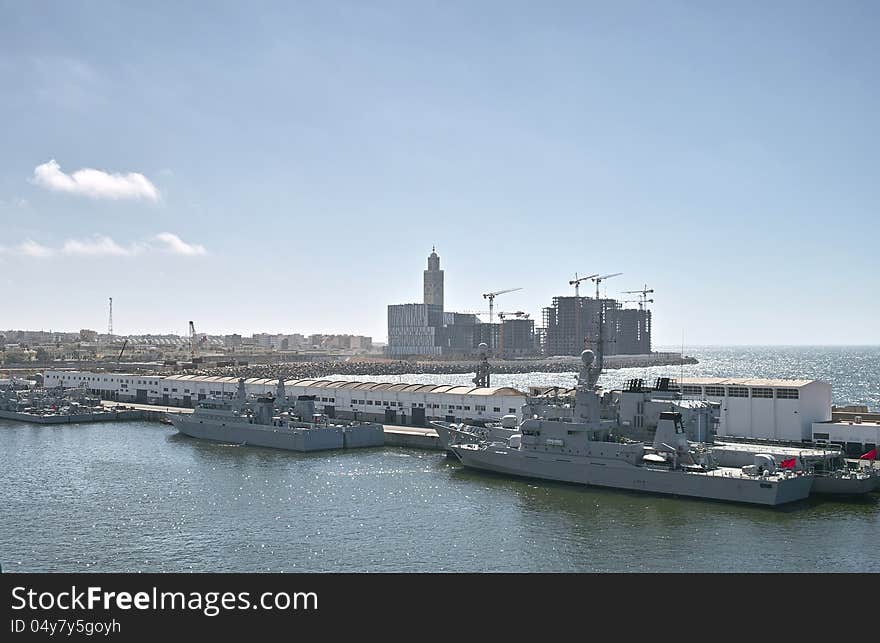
136	496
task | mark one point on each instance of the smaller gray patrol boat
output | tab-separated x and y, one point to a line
269	421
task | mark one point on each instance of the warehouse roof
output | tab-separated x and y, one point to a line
747	381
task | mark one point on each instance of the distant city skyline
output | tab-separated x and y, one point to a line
287	168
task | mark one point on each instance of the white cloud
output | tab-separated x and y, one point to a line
32	249
178	246
96	184
101	245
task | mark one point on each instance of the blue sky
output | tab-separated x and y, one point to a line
286	167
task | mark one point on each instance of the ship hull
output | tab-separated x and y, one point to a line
843	486
276	437
713	485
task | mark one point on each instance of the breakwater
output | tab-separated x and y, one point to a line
309	370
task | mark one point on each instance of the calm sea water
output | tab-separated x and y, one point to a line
139	497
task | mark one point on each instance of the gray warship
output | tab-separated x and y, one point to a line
271	421
573	443
637	409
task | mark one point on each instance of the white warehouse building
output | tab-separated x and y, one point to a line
384	401
769	409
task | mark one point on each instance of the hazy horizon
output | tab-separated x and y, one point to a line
287	167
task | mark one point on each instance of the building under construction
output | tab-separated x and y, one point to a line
572	324
513	336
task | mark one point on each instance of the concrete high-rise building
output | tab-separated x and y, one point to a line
572	324
434	281
415	329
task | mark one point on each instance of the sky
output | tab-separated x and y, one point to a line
287	167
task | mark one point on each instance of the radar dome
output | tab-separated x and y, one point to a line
587	357
483	346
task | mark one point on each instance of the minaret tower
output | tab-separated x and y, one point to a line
434	280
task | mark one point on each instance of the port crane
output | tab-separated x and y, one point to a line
121	351
491	297
576	282
192	342
599	280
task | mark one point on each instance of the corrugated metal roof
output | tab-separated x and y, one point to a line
499	390
747	381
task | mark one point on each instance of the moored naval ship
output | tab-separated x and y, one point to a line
269	421
637	409
574	444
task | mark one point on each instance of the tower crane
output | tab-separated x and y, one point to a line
576	282
640	302
491	297
643	296
599	280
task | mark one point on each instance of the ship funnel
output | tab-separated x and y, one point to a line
280	395
305	407
670	435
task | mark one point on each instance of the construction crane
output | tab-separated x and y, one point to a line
640	302
491	297
520	314
643	296
576	282
599	280
121	351
192	342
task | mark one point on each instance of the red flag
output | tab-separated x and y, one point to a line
870	455
787	464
